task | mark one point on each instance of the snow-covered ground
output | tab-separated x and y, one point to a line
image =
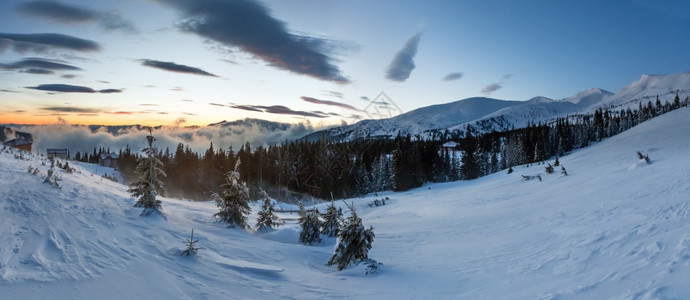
614	227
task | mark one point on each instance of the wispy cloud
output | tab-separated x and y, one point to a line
333	94
44	42
70	14
246	107
67	88
403	63
173	67
38	66
491	88
328	102
499	85
249	26
452	76
70	109
37	71
278	109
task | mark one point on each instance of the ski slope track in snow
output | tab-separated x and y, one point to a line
613	228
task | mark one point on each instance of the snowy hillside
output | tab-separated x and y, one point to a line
651	86
615	227
494	114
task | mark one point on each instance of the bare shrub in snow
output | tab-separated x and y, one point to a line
643	157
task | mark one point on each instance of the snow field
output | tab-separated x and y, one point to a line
614	228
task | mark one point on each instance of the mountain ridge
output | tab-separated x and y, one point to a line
504	113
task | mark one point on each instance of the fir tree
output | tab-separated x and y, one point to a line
149	168
191	246
470	165
354	242
267	219
332	220
311	226
232	201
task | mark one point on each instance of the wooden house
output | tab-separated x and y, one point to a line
19	143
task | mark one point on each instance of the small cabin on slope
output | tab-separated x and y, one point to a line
449	146
19	143
60	153
108	160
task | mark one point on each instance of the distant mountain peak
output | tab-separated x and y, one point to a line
540	99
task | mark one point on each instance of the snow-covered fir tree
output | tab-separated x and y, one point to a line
354	242
233	200
267	218
149	168
311	226
332	220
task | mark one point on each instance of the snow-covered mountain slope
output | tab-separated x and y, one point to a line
493	114
614	227
589	97
651	86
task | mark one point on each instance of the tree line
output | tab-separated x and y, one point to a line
322	168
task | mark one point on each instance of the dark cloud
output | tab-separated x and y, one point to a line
328	102
365	98
248	25
491	88
66	88
70	109
282	110
43	42
69	14
217	104
279	109
453	76
7	91
110	91
403	62
173	67
19	111
68	76
187	100
38	66
247	107
37	71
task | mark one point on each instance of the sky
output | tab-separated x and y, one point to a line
194	62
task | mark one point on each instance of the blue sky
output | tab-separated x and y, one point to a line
185	62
